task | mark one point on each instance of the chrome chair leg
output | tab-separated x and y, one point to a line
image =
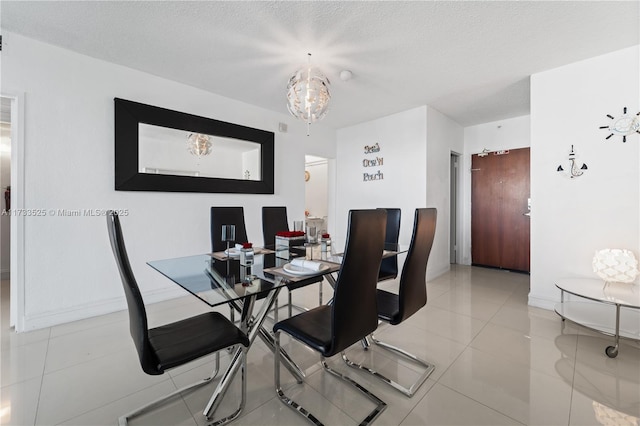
290	305
276	308
243	397
123	420
285	399
380	404
411	390
365	343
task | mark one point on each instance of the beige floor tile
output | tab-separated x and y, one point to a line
336	392
445	323
19	402
498	361
88	345
10	339
533	321
463	303
432	348
398	405
588	411
443	406
534	352
72	391
613	382
19	363
172	412
510	388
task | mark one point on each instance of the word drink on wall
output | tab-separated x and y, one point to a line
372	162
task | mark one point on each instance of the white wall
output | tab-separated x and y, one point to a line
572	218
69	164
5	180
415	146
402	140
511	133
443	136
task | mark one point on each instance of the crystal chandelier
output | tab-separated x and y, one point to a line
308	94
199	144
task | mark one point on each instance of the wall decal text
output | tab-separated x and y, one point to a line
372	162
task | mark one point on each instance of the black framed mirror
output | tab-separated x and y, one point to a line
157	149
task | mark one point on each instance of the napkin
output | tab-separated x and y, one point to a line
307	264
238	246
289	234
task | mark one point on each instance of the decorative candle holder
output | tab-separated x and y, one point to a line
325	243
286	247
246	254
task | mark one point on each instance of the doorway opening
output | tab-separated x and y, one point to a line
5	217
316	192
12	115
454	181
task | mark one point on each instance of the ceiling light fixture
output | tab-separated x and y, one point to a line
346	75
199	144
308	94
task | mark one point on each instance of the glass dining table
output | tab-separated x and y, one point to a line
218	279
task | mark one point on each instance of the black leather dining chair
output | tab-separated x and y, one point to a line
227	216
412	296
330	329
389	265
274	220
171	345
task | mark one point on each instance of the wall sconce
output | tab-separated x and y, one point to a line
574	171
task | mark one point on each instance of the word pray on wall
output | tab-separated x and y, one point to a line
372	162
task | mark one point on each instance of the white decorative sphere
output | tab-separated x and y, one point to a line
615	265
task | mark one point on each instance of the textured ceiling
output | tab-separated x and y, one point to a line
469	60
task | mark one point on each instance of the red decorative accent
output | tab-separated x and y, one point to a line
247	245
290	234
326	236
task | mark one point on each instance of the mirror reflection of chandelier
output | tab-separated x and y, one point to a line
308	94
199	144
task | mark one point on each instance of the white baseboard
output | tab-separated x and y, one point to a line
436	273
50	319
542	302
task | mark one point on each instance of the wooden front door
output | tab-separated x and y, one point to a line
499	200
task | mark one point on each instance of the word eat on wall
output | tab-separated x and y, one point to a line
372	162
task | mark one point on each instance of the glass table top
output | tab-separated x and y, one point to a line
216	282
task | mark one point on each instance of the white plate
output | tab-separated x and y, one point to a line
297	270
232	252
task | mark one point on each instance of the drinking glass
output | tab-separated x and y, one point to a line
312	235
228	234
297	225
